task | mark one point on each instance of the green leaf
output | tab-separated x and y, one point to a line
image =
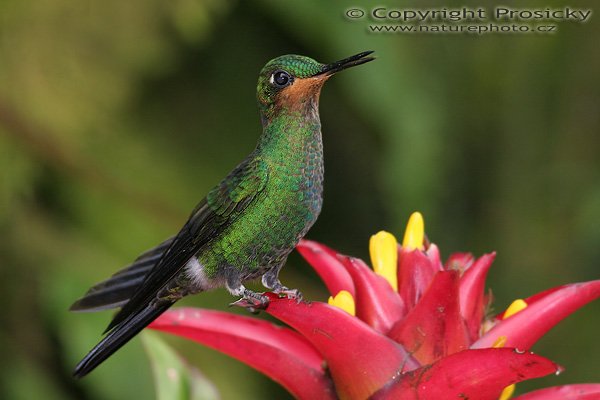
174	378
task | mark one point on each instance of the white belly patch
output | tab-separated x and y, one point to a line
195	271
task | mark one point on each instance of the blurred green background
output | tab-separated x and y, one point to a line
116	117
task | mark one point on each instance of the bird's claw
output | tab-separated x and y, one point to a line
253	302
285	292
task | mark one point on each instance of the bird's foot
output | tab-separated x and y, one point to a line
286	292
271	281
252	301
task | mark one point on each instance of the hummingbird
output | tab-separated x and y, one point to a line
245	227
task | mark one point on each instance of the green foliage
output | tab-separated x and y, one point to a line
174	379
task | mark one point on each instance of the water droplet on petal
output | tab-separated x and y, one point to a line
519	351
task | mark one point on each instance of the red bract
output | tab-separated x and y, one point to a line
382	306
470	374
583	391
359	359
436	316
528	326
276	351
472	293
415	273
428	339
324	261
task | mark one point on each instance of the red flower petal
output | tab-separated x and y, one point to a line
376	302
330	269
582	391
415	272
472	294
540	295
459	261
525	328
433	253
360	360
470	374
434	328
278	352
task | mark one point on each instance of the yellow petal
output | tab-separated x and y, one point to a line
507	392
415	232
514	308
343	300
383	248
500	342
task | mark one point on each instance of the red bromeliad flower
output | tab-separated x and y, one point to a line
411	328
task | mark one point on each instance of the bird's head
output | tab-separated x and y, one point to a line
292	83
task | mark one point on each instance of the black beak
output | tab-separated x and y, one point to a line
353	61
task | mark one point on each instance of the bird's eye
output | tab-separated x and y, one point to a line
281	79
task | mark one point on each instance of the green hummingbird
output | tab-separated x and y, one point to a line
246	226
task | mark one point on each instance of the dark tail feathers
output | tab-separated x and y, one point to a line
117	337
117	290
